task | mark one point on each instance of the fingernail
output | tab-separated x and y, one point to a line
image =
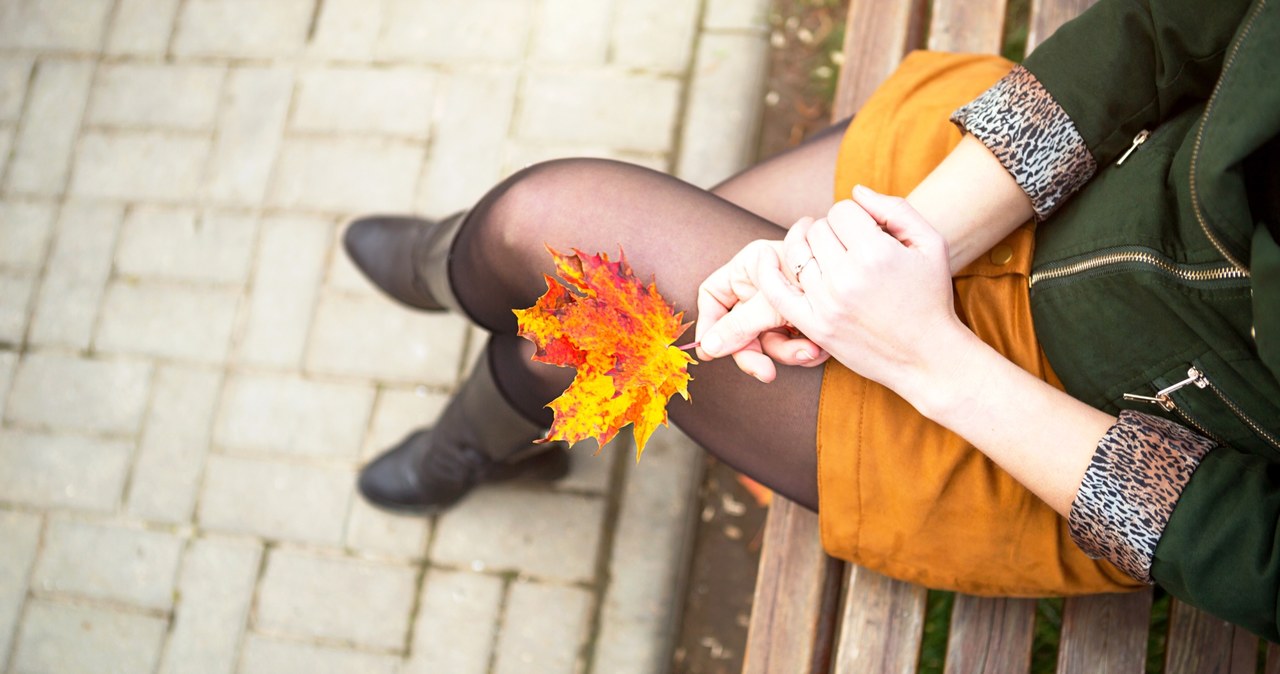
804	356
863	191
711	345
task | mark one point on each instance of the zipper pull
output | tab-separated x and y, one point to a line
1137	140
1162	398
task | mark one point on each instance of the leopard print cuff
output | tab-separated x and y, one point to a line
1130	488
1032	136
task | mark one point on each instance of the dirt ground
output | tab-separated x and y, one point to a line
803	67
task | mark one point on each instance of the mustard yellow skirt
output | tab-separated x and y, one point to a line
898	493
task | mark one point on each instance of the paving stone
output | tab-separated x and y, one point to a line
348	175
215	592
346	30
395	102
360	602
374	338
649	548
545	535
25	231
152	95
77	275
454	630
139	166
573	32
6	144
529	643
722	119
53	25
178	244
76	639
750	15
171	453
521	155
275	500
15	71
289	415
8	361
372	530
62	470
455	31
591	472
399	412
242	28
129	565
654	34
21	534
581	106
286	278
16	289
142	27
249	134
72	393
167	321
268	656
42	151
470	132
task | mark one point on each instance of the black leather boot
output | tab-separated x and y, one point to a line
479	438
405	257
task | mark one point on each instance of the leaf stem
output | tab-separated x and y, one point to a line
690	345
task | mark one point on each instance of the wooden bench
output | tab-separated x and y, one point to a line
813	614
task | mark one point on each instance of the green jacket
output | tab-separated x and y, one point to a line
1163	268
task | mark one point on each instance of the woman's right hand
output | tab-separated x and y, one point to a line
729	300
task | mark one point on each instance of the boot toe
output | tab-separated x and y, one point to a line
381	247
391	481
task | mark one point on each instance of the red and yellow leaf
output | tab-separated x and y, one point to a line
618	333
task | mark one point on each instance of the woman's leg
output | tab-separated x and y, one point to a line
678	234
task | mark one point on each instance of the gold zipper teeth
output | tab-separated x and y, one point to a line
1248	420
1193	275
1195	150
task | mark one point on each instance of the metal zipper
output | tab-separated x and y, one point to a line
1222	273
1139	139
1195	151
1164	398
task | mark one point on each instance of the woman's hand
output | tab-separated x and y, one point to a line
874	290
731	307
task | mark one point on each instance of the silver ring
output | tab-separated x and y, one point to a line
800	267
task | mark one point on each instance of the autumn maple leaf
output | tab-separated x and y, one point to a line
618	333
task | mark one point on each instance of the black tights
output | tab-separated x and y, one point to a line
680	234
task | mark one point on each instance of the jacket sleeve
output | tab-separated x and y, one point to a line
1081	98
1203	520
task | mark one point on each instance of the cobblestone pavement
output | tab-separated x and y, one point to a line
191	372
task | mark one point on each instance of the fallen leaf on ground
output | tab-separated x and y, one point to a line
618	333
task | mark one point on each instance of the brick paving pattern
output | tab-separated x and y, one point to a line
191	372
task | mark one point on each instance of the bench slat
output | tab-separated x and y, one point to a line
789	626
882	625
1273	659
1047	15
878	34
967	26
1202	644
1105	634
990	635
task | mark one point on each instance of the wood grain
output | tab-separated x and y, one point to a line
878	33
1202	644
967	26
882	625
990	635
1047	15
1105	634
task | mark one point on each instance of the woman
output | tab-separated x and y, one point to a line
1089	404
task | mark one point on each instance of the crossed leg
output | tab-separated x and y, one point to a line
679	234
